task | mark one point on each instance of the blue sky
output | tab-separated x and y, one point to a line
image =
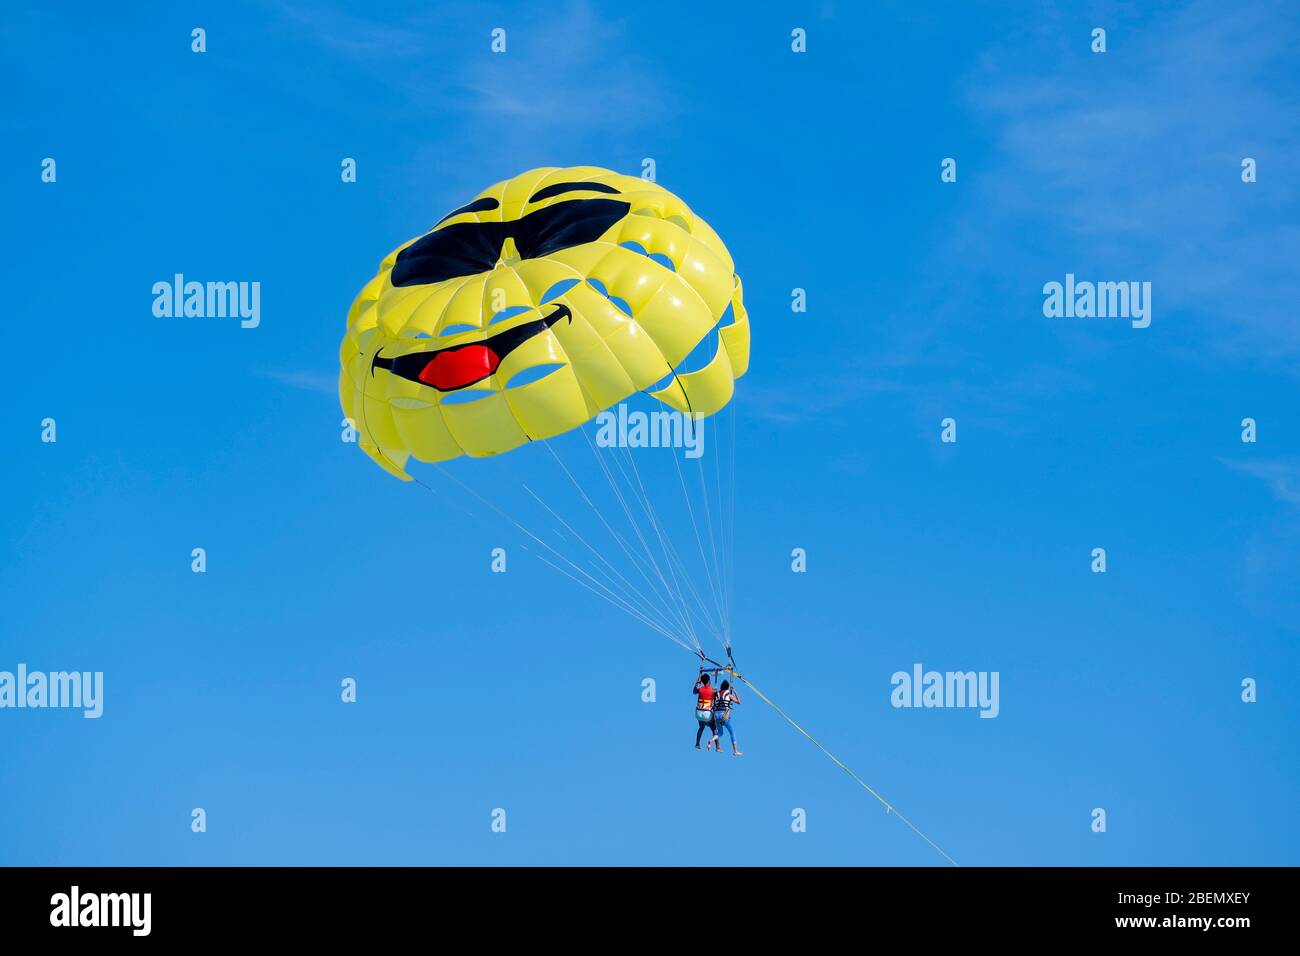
523	691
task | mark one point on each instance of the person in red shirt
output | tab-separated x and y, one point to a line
703	691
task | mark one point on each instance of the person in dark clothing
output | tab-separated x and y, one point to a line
703	691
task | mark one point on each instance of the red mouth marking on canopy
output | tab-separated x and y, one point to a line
460	367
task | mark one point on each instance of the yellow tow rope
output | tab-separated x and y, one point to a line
889	808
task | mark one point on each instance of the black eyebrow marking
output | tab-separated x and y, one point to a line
558	188
478	205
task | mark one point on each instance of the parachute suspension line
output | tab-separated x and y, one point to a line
708	569
708	516
727	517
735	428
636	527
676	562
726	496
629	590
889	807
648	623
640	536
603	592
613	533
673	589
721	551
665	541
662	625
711	569
646	605
601	588
672	556
636	562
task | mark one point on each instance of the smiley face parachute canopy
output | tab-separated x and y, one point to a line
542	303
524	313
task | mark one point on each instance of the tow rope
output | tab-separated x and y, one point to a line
889	807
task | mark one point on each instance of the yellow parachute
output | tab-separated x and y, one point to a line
523	314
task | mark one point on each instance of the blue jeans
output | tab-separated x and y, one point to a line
725	724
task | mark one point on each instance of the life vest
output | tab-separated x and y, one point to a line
722	706
704	703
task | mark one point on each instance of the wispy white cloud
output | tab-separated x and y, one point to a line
357	37
566	67
1281	476
308	381
579	67
785	406
1267	582
1133	157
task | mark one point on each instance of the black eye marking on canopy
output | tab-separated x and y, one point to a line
468	248
558	188
459	366
478	205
